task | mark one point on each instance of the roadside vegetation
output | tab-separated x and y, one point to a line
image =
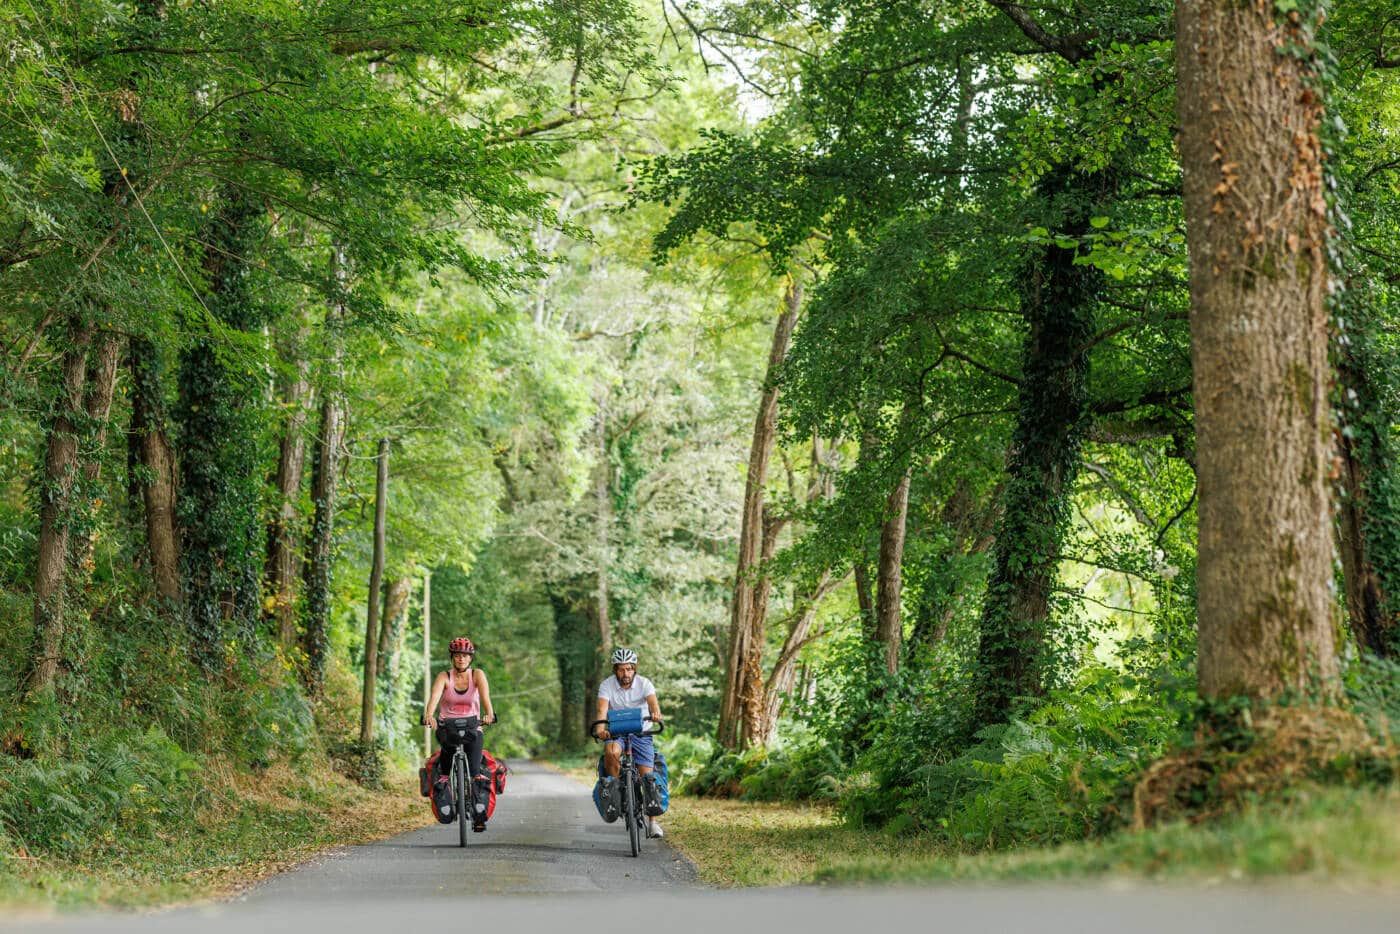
1316	834
981	418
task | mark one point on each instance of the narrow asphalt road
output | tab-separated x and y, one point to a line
548	863
545	838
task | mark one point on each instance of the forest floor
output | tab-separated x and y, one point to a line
1323	835
256	824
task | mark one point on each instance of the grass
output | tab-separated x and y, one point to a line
255	825
1317	834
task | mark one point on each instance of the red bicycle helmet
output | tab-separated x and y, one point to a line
461	645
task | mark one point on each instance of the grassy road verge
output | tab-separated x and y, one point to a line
1328	835
254	825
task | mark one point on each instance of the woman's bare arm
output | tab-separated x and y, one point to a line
484	688
439	683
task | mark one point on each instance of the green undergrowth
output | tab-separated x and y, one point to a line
148	779
241	827
1343	835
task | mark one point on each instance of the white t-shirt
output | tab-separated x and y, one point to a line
633	697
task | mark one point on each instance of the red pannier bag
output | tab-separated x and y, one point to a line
437	789
434	787
496	769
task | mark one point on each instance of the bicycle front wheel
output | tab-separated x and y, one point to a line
629	808
460	791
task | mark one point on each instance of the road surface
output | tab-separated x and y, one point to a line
545	839
548	863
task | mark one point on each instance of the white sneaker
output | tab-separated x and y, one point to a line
654	830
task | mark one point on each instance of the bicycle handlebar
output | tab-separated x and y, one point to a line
495	718
660	728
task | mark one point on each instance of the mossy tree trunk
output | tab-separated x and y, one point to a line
56	512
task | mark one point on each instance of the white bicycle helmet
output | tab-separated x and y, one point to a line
624	657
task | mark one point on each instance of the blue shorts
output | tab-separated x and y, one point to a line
643	750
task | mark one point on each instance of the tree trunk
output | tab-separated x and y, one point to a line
156	480
1057	301
783	677
743	687
1368	528
282	535
325	469
55	515
102	386
889	617
376	580
576	654
391	631
221	478
971	524
602	531
1256	211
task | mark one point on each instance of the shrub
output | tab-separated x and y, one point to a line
1064	772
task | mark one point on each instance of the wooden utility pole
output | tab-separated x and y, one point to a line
427	656
376	577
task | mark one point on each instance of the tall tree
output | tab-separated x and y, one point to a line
375	595
743	705
283	529
1251	109
56	512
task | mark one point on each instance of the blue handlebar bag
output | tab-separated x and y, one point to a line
622	722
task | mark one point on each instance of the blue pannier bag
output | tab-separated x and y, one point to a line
663	781
622	722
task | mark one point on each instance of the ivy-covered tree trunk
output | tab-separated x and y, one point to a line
325	470
56	513
154	477
1368	501
283	530
1250	110
221	472
97	407
1057	301
742	706
375	597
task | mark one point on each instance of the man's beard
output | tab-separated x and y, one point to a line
627	683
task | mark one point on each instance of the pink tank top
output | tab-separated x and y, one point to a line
459	703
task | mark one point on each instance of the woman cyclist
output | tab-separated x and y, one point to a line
463	692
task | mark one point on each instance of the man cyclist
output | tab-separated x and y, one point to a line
464	692
626	690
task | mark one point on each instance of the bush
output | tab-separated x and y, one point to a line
1373	687
804	768
1064	772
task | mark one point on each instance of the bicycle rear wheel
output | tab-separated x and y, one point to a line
629	807
460	790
